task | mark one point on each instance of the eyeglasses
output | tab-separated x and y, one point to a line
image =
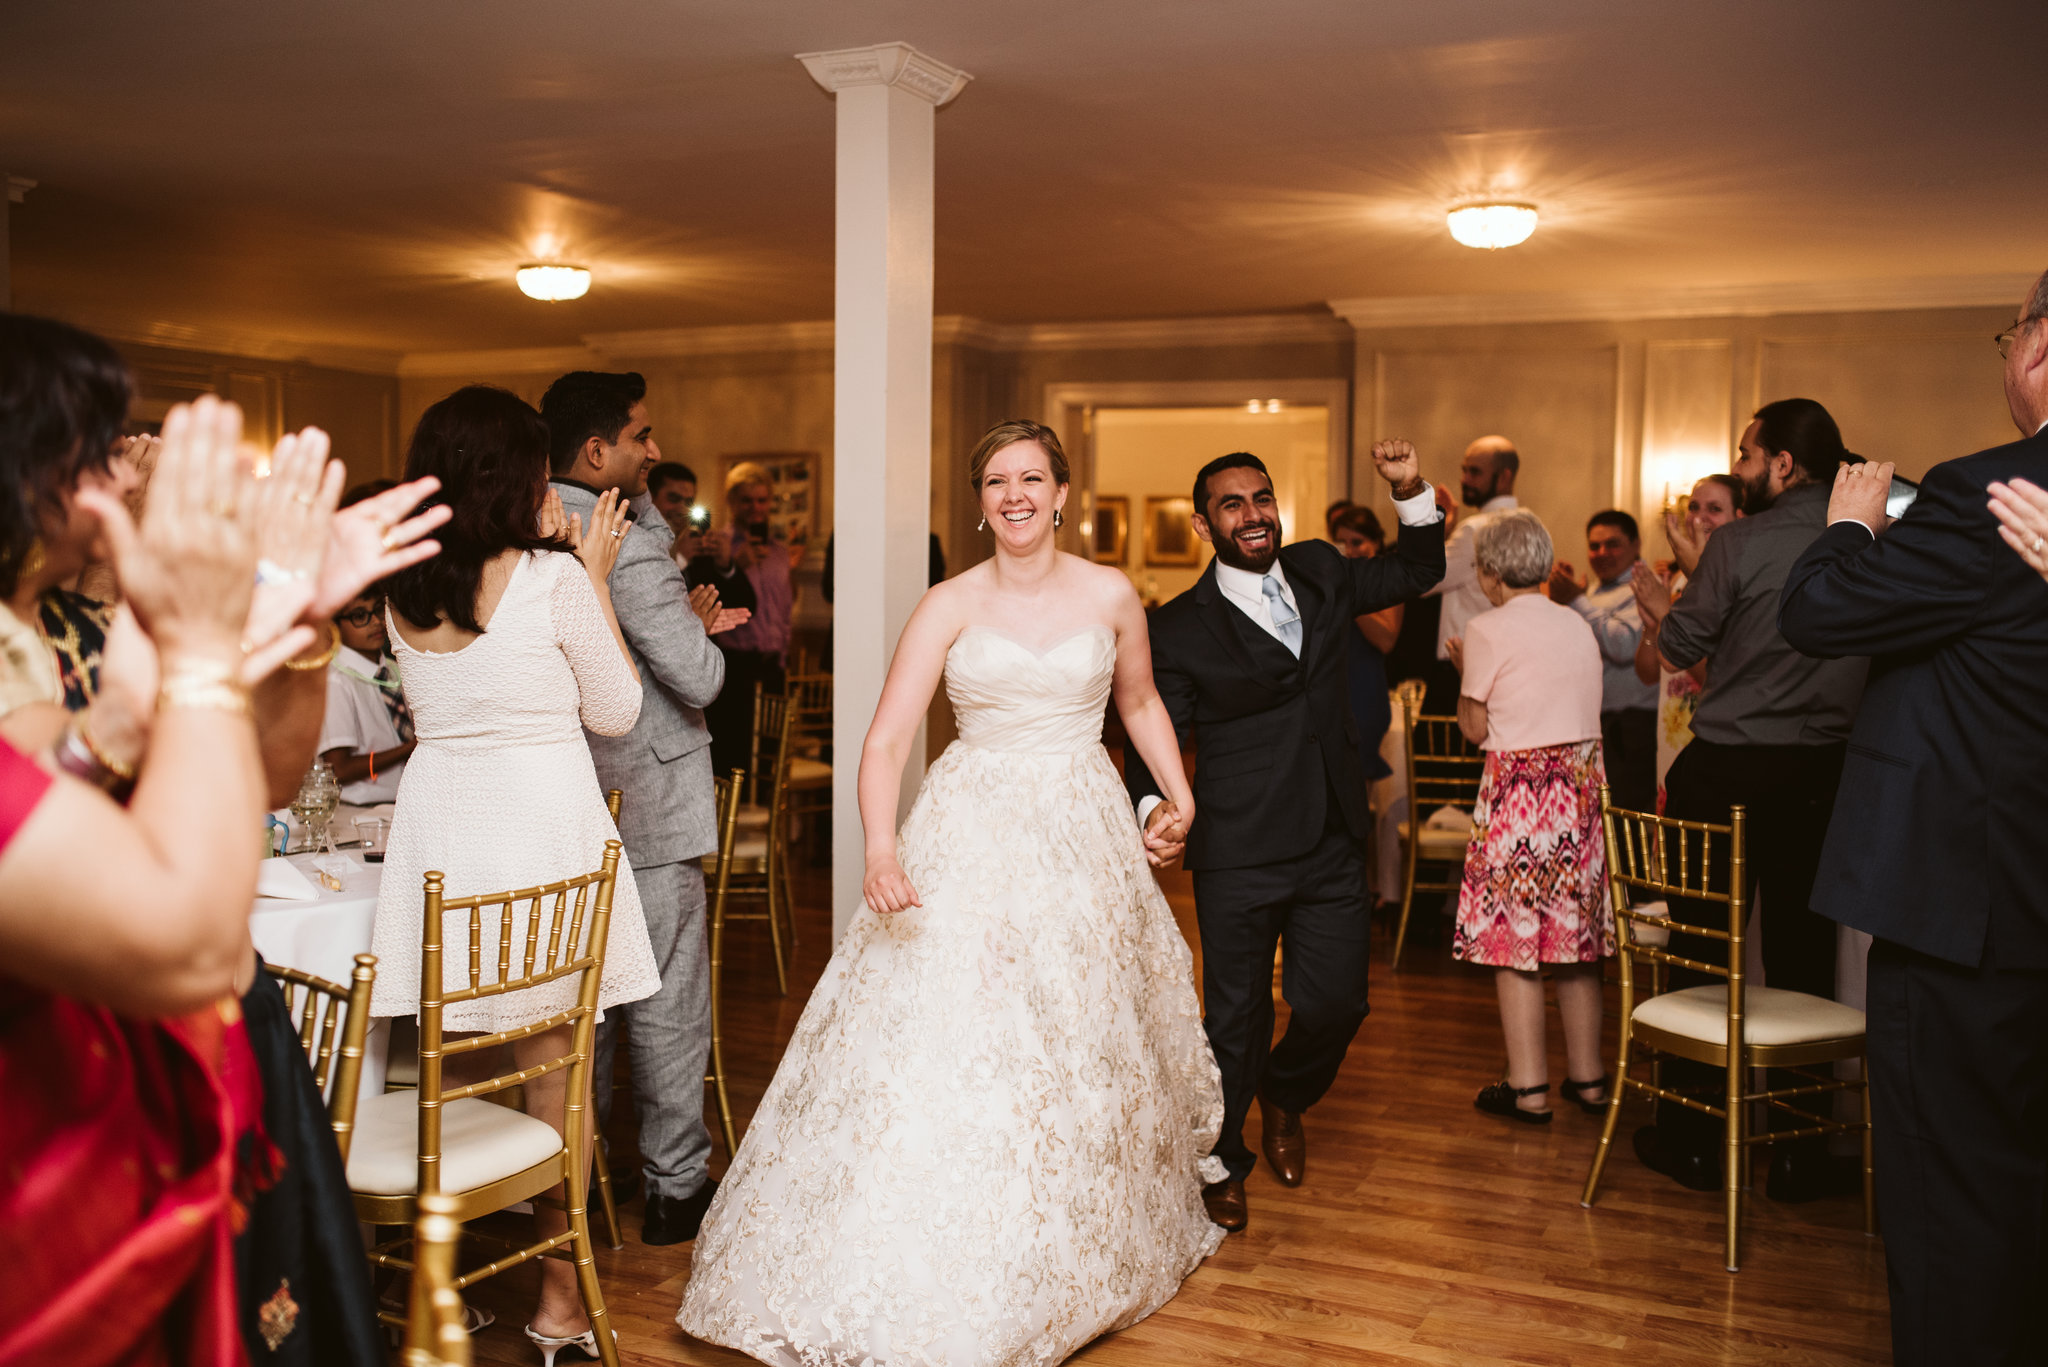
2006	338
357	617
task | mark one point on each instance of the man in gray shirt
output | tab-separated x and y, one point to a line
1628	706
1770	735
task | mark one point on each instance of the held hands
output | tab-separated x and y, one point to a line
1565	583
598	548
1860	493
1399	466
2021	508
1166	834
885	889
716	620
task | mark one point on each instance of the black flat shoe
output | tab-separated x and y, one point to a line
1498	1098
1577	1091
1693	1171
675	1219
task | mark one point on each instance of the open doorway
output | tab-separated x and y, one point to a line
1144	464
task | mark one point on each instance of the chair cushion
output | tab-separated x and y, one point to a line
752	817
480	1144
1440	845
750	845
808	773
1771	1016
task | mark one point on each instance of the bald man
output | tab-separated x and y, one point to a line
1486	477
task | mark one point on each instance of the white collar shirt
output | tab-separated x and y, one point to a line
1246	592
1463	598
358	721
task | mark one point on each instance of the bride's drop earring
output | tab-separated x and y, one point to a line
1055	519
982	526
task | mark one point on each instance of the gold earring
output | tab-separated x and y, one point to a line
33	559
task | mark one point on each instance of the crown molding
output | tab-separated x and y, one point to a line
713	341
1265	329
892	64
501	361
259	346
1696	301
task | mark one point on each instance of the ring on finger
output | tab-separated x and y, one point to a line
2038	546
303	499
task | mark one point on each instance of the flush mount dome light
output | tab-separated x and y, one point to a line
1492	226
553	283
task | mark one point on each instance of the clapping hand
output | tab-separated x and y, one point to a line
1653	597
1399	466
1455	649
374	539
1860	493
1166	835
1565	583
2021	508
716	619
598	548
1686	542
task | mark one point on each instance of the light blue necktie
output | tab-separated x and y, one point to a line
1285	619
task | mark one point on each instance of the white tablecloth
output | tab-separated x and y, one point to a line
323	936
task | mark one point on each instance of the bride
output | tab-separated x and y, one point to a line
986	1143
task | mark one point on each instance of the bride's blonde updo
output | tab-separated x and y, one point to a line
1009	433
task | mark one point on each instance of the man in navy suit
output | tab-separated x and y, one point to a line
1936	849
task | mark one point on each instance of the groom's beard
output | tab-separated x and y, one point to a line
1232	552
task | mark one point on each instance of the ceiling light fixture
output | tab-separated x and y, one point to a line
1490	227
551	283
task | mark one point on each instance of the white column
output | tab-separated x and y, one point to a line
882	400
17	190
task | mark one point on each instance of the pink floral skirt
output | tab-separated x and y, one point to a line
1535	887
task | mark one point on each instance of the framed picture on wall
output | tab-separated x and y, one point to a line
1112	529
1170	533
792	479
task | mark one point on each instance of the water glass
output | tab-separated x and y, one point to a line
370	834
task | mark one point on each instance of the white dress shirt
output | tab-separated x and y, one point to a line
1463	598
358	721
1245	591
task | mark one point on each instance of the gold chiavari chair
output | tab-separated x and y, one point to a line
760	860
436	1334
334	1021
719	869
1731	1025
810	758
1443	771
607	1202
450	1140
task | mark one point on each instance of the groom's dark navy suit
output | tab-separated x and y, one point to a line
1280	814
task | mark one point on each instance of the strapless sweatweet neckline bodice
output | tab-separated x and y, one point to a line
1007	696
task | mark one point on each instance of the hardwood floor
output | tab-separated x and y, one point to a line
1426	1232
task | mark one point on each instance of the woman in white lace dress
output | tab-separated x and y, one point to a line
507	648
985	1145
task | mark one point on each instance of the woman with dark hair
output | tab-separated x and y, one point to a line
1715	502
508	648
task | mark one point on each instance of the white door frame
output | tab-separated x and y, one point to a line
1068	407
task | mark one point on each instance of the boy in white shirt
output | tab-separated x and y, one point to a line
368	731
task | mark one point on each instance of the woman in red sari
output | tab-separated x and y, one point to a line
130	1135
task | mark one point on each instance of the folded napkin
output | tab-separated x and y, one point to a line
278	878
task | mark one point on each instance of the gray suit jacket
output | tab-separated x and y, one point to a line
662	767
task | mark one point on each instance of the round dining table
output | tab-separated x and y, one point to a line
322	935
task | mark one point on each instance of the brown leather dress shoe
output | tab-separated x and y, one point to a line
1225	1202
1285	1146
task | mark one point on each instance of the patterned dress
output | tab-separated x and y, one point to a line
1535	887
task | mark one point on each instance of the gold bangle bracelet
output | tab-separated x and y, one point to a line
202	693
124	772
324	658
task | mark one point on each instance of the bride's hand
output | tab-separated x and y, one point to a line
598	548
1166	834
886	889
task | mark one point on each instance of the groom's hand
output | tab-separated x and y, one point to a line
1399	466
1165	838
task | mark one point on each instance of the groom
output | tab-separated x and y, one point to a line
1250	662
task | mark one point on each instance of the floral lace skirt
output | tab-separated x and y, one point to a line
1535	887
987	1140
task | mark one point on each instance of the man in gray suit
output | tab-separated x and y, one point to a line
600	438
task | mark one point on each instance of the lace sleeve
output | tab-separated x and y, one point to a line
608	697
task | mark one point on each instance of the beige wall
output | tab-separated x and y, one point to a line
1609	414
358	411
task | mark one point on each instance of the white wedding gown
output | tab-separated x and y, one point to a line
987	1140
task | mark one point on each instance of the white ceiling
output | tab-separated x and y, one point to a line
366	173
